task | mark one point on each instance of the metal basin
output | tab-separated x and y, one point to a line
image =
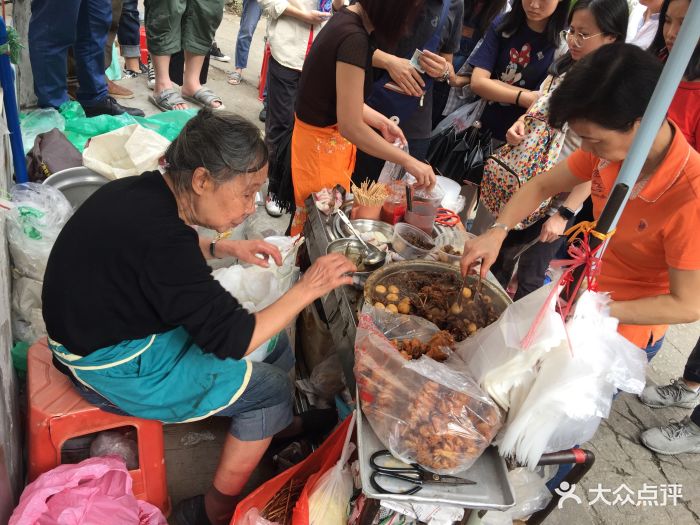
499	298
77	184
366	226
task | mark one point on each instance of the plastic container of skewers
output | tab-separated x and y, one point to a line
368	200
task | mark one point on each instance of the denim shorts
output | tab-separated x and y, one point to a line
263	409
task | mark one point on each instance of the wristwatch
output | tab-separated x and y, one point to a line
212	246
566	212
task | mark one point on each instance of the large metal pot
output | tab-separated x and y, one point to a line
499	298
77	184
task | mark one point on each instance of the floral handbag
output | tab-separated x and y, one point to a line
509	167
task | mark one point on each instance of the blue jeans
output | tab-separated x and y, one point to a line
653	349
249	21
128	34
263	409
54	27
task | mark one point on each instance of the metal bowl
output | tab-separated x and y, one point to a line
499	298
366	226
352	249
77	184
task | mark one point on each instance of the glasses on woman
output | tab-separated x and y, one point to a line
577	39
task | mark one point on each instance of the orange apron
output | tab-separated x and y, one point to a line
321	158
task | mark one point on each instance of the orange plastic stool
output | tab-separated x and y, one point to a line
57	413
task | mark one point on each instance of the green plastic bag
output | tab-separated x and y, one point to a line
79	128
114	71
19	358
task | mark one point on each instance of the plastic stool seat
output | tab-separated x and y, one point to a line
57	413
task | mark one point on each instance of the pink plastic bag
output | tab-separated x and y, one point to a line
94	492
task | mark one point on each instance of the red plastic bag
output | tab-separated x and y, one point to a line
94	492
307	472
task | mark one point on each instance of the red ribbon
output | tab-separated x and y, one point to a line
581	255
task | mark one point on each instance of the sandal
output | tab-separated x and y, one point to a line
235	78
205	97
167	99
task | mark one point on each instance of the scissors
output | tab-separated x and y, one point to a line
447	217
413	474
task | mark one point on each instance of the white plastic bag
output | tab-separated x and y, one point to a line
39	214
328	501
531	493
126	151
27	318
392	172
113	443
574	385
494	356
461	118
257	288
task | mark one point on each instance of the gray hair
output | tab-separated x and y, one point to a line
225	144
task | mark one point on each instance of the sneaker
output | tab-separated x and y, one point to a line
109	106
272	208
675	438
130	73
677	394
191	512
216	54
143	68
150	74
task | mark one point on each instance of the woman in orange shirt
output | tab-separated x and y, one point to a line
651	267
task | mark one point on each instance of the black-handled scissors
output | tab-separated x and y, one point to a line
413	474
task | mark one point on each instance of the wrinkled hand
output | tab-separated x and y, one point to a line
516	133
433	64
406	76
249	251
423	172
391	131
484	248
317	17
326	274
553	228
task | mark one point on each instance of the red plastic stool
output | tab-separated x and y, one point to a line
57	413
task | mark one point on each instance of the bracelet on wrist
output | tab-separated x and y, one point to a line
517	98
446	75
499	226
212	244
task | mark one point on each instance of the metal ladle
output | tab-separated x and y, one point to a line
371	256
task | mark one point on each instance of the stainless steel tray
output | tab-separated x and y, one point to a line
492	490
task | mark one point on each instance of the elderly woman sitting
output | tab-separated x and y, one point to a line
137	322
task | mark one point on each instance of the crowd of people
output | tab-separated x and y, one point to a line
338	76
